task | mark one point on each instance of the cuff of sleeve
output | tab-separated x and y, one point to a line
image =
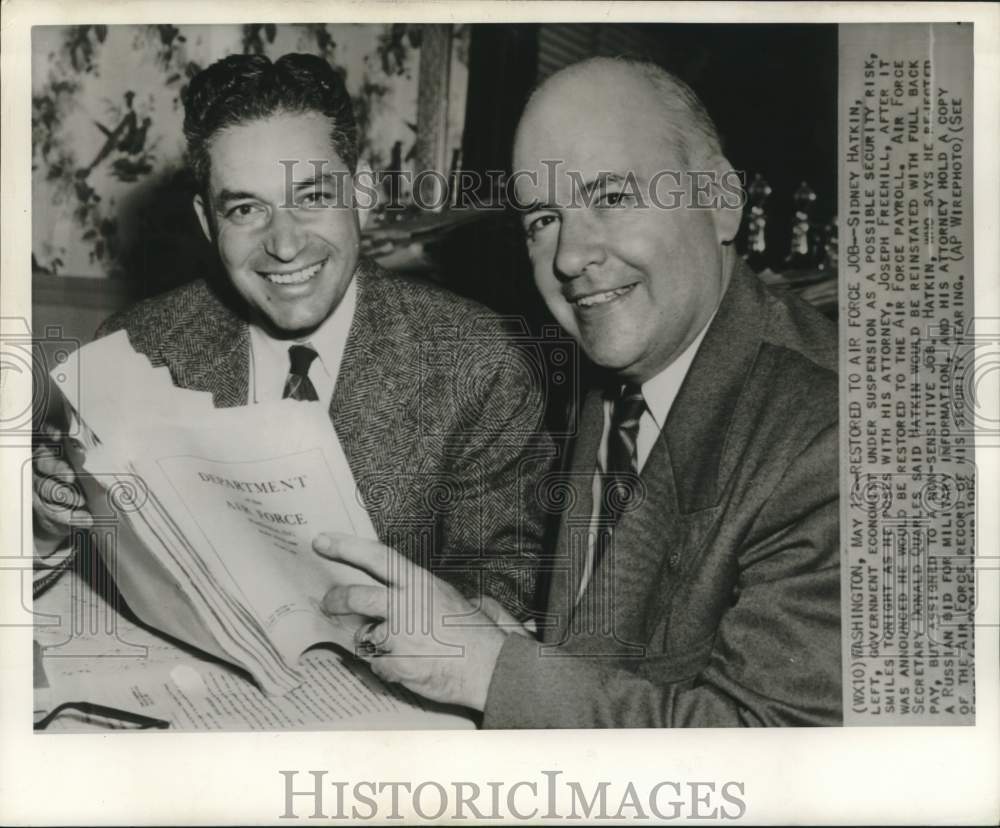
510	697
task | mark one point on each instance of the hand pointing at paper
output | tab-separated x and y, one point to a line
423	633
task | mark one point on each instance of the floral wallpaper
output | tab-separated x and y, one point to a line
109	185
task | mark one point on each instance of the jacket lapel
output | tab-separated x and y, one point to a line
701	419
373	393
212	353
574	527
643	543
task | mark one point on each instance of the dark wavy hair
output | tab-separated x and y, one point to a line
242	88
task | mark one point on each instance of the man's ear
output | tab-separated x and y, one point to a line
365	193
727	195
203	220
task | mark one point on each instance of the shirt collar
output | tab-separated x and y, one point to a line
330	338
661	390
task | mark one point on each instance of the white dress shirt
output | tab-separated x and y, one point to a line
659	393
269	361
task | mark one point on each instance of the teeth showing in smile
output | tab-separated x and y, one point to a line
601	298
295	278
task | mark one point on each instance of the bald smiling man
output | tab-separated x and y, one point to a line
696	577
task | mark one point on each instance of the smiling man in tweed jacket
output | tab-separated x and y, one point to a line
441	428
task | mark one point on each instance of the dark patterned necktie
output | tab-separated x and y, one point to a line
620	482
298	386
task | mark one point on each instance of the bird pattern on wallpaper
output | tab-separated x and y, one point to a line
128	138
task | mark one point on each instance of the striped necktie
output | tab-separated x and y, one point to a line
298	386
621	474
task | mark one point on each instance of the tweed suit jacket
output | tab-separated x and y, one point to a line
719	603
442	433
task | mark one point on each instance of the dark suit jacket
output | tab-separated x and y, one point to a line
719	604
443	435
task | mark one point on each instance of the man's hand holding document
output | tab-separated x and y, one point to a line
212	512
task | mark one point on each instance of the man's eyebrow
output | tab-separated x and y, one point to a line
534	206
234	195
325	178
602	179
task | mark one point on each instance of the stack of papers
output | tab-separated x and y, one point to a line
129	667
209	514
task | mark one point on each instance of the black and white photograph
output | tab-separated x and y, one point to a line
694	578
519	383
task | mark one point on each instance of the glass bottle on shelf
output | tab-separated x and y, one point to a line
801	253
827	256
756	250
